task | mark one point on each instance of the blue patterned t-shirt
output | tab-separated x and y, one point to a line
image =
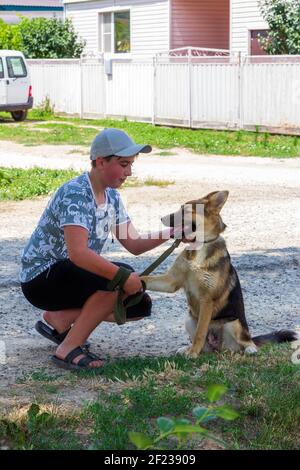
73	204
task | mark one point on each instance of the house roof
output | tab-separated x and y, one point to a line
32	3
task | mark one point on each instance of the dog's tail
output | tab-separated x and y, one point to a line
281	336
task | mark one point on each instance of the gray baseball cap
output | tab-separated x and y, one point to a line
115	142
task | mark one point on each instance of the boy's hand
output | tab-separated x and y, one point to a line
133	284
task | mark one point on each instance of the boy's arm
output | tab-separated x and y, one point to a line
136	243
76	239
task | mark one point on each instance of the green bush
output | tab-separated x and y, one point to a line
42	38
283	19
10	36
50	39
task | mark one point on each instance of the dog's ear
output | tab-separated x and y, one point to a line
216	200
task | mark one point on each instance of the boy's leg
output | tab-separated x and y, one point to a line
61	320
96	309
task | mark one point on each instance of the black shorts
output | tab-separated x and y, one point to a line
64	286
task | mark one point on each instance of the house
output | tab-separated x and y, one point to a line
10	10
246	24
141	27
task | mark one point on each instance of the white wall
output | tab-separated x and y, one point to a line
11	17
149	22
245	15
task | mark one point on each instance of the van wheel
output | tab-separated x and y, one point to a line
19	115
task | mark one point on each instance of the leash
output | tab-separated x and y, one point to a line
161	258
121	277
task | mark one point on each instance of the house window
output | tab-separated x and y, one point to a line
255	45
1	69
115	32
16	67
122	31
107	32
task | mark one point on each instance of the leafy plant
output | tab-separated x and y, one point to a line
42	38
10	36
256	135
5	179
266	139
21	434
45	109
283	18
182	429
36	419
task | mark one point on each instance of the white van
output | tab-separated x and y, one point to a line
15	87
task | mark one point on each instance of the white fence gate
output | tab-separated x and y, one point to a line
59	80
198	92
92	87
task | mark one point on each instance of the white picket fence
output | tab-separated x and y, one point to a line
198	92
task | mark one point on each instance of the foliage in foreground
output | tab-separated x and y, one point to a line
183	429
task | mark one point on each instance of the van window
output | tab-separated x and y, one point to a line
16	67
1	69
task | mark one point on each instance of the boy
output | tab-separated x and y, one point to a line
63	271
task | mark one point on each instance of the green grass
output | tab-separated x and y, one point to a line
75	131
38	375
133	393
134	409
44	429
18	184
264	389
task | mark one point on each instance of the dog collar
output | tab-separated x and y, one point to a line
212	240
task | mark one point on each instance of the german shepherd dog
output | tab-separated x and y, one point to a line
216	318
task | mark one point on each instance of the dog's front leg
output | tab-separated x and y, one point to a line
204	319
168	282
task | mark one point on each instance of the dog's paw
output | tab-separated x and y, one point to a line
251	350
183	351
192	354
188	352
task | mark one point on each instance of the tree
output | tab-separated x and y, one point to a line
49	39
283	18
10	37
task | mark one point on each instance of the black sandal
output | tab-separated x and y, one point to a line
83	364
53	335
